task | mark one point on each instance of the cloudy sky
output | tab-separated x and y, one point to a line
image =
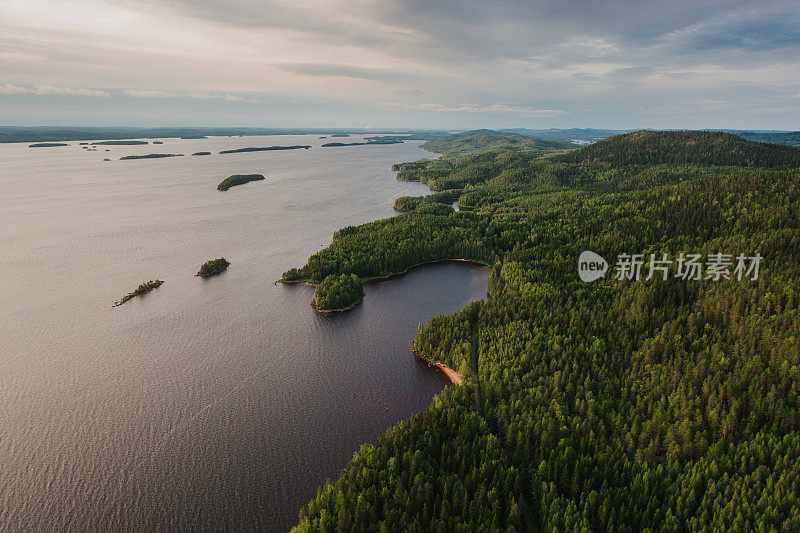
402	64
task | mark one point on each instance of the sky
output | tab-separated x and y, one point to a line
401	64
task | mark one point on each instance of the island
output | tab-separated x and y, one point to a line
213	267
202	153
337	293
329	145
46	145
265	149
144	288
386	139
149	156
120	143
367	140
158	142
238	179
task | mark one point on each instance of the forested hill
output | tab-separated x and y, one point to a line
491	140
684	148
668	403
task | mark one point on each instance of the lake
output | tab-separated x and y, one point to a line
207	404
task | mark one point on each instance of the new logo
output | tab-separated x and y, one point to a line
591	266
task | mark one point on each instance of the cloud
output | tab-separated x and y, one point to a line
339	70
224	97
44	90
500	107
139	93
511	60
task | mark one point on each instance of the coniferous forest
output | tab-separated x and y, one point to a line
622	404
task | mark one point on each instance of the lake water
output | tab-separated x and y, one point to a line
208	404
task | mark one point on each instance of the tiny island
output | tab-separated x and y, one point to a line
213	267
202	153
337	293
238	179
144	288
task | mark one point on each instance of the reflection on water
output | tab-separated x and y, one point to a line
208	403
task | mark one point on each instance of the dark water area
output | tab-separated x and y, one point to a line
207	404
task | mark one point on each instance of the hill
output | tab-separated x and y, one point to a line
704	148
491	140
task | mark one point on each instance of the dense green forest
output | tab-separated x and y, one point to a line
338	292
613	405
213	266
238	179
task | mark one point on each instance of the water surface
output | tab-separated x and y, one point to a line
207	404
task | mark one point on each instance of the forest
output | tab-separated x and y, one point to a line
338	292
614	405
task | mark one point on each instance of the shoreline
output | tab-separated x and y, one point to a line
450	375
334	311
377	279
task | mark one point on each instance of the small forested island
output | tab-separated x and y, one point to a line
144	288
202	153
238	179
266	149
616	405
149	156
337	293
46	145
158	142
120	143
212	267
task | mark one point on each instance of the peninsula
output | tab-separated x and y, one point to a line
238	179
337	293
46	145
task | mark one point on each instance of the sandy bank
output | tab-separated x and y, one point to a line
449	374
